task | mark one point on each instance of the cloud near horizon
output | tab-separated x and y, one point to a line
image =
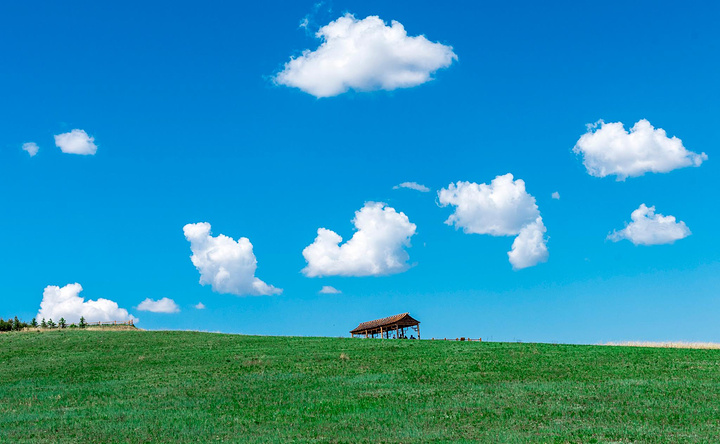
501	208
76	141
377	248
329	290
412	186
164	305
611	150
648	228
364	55
66	303
228	266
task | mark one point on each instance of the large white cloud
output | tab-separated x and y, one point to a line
648	228
608	149
228	266
164	305
501	208
66	303
76	141
364	55
529	248
377	247
31	148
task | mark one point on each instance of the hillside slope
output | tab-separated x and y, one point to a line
136	386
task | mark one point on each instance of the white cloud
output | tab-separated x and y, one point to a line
228	266
31	147
329	290
200	306
76	141
529	247
556	195
648	228
412	186
610	150
364	55
502	208
164	305
66	303
377	247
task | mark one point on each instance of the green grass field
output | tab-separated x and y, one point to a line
135	386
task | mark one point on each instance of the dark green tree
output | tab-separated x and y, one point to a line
33	323
43	324
50	323
82	322
62	323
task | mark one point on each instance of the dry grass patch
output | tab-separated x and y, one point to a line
671	344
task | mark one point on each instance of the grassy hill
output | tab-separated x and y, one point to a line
135	386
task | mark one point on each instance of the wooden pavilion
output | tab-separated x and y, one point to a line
390	327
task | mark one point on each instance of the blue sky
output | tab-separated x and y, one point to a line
190	127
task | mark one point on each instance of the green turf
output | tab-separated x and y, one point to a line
134	386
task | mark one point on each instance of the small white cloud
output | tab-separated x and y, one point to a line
502	208
329	290
648	228
530	246
364	55
66	303
412	186
164	305
76	141
556	195
228	266
31	147
200	306
377	247
610	150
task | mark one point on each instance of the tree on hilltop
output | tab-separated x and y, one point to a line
50	323
33	323
62	323
43	324
82	323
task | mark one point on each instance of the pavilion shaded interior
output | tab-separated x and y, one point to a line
391	327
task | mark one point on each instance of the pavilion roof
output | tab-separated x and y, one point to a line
400	320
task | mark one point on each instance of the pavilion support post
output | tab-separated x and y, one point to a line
418	329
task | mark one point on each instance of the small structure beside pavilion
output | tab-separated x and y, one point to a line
391	327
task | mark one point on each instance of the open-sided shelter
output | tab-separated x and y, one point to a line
390	327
